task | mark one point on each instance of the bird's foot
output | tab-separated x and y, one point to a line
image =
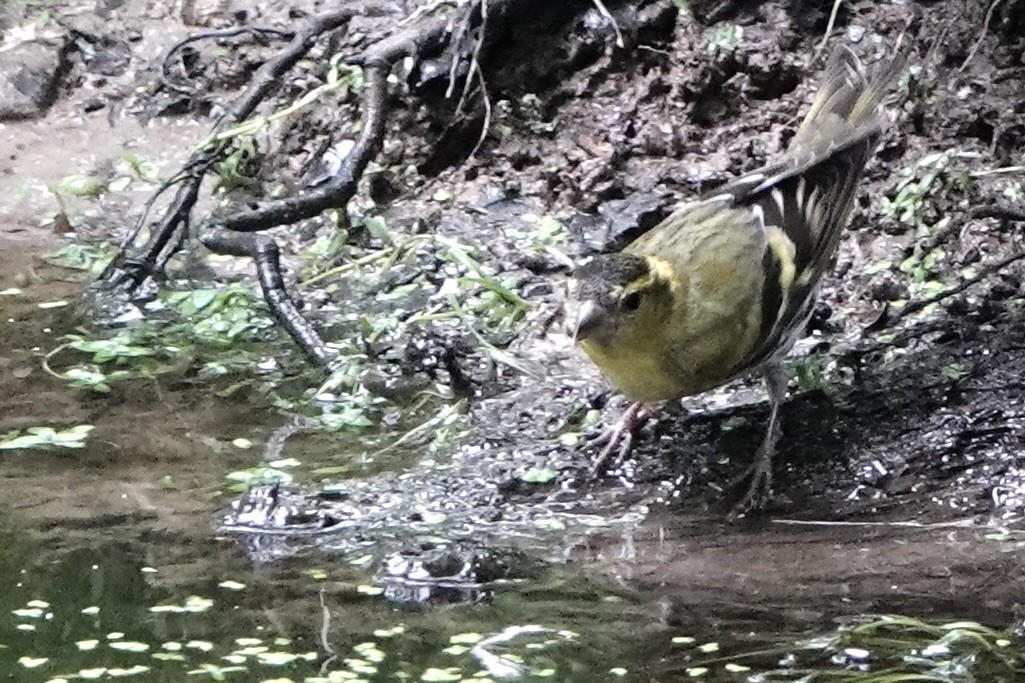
621	435
759	491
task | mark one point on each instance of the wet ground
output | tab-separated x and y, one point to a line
481	556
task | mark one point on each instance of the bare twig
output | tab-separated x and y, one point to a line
832	22
237	234
474	62
1003	170
985	272
325	631
167	236
475	68
982	35
998	212
604	11
340	188
958	524
325	625
428	7
923	329
453	68
487	114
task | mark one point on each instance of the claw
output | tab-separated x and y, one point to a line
624	431
759	492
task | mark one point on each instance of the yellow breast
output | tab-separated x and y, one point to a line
641	376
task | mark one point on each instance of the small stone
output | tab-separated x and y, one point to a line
29	74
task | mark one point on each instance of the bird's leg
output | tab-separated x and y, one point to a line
760	489
623	431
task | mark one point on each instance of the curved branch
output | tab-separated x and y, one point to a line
341	187
130	268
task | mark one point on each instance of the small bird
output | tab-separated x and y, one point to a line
725	285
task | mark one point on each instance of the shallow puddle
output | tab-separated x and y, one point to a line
115	566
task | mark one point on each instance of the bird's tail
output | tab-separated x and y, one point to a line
846	106
811	191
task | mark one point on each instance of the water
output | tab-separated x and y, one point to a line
114	566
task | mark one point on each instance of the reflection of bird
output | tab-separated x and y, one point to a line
725	285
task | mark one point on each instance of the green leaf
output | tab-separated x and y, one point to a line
47	437
106	350
539	475
80	185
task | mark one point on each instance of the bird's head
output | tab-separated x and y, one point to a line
621	302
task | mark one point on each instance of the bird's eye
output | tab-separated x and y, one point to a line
631	302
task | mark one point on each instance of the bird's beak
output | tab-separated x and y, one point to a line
588	319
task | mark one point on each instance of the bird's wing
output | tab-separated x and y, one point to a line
805	199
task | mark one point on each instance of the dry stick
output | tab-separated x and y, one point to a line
959	524
267	78
421	37
978	43
475	69
325	625
236	234
131	270
453	68
229	235
604	11
999	212
1003	170
425	8
147	207
831	24
487	112
269	75
474	63
241	235
325	631
341	187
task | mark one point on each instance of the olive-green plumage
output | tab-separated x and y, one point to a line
725	285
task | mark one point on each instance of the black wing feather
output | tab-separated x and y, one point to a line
809	193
